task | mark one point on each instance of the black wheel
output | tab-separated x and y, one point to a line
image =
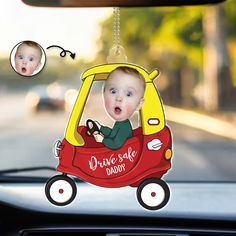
91	127
60	190
153	194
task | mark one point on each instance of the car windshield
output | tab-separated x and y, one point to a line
194	48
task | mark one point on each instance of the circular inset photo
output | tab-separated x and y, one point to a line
27	58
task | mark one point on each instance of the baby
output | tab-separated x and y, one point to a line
123	95
28	58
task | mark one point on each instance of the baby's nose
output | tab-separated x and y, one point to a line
119	98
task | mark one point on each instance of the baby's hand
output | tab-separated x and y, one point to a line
98	137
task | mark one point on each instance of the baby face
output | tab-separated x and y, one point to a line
27	59
123	95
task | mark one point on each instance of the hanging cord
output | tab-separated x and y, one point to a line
116	29
117	52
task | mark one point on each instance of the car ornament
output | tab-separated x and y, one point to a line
140	162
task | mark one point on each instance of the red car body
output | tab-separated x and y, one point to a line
129	165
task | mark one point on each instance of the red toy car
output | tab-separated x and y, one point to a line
141	162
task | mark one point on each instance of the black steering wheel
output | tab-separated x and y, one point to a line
91	127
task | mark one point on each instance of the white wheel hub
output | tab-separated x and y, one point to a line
61	191
153	194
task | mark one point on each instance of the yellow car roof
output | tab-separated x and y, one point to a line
101	71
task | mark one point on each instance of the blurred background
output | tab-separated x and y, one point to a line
193	47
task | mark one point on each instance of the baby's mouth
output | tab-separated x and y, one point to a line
117	110
23	70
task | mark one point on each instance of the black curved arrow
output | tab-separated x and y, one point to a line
63	52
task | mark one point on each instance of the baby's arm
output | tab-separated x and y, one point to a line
106	131
119	134
114	143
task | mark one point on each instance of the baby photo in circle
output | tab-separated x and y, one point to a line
28	58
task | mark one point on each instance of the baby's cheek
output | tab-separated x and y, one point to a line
17	65
107	103
32	69
130	109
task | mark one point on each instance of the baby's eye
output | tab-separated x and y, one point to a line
20	57
31	59
113	91
129	94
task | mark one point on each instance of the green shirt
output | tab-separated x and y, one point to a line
114	138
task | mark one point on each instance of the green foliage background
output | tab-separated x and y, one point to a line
166	38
